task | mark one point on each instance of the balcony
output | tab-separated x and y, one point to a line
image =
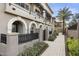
19	11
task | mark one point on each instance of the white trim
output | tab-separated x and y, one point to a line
31	24
16	19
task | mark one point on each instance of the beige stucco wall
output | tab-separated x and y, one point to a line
3	48
73	33
6	17
12	48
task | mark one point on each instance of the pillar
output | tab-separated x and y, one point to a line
47	34
44	14
12	45
40	35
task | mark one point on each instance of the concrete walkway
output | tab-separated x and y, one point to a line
56	48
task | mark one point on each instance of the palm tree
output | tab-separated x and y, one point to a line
64	14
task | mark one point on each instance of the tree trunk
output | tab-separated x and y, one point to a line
63	26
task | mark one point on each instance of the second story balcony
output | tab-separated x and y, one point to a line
23	12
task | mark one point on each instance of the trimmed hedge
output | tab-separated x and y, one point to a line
37	49
73	46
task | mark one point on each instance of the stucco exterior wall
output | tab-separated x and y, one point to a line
12	48
6	17
73	33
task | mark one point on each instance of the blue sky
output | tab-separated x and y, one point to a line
74	7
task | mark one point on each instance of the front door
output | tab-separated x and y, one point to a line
44	34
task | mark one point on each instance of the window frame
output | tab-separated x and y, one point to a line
26	6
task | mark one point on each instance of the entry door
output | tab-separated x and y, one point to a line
44	34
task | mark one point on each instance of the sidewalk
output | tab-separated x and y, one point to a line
56	48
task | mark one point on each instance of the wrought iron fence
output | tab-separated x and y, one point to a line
23	38
3	38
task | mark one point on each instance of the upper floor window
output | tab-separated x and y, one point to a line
23	5
38	13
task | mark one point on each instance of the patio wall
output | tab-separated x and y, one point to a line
12	48
73	33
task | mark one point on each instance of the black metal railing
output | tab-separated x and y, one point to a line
3	38
23	38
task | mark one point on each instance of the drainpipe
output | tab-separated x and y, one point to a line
44	15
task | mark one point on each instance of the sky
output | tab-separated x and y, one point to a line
74	7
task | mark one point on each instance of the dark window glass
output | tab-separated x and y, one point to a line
26	7
15	27
23	5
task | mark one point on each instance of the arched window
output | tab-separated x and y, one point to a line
33	28
40	26
17	27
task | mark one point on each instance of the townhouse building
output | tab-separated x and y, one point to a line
23	24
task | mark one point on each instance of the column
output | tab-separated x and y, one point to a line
40	35
44	14
12	45
51	20
47	34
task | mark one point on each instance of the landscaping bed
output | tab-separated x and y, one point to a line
53	36
37	49
72	46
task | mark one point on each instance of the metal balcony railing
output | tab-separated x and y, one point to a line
28	11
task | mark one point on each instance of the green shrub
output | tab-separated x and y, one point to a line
73	46
52	38
36	50
71	37
57	32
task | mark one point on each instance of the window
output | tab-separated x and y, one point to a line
38	12
26	7
23	5
17	27
33	28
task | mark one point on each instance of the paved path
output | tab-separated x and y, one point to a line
56	48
